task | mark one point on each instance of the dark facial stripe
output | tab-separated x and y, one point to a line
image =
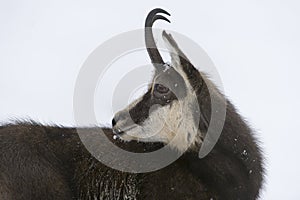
140	112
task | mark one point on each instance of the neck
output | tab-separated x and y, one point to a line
234	166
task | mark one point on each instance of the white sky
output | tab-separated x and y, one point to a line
254	44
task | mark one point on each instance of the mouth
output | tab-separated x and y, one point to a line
118	132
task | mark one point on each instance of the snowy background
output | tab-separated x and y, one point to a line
255	46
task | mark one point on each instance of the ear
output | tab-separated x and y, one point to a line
181	63
177	56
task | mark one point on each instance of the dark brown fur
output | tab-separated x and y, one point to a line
46	162
50	162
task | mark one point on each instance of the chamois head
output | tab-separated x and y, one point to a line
169	111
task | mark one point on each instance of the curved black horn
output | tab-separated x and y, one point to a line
153	52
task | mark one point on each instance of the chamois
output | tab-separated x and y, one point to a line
50	162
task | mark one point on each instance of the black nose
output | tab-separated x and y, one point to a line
113	122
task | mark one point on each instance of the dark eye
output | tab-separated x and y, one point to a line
161	89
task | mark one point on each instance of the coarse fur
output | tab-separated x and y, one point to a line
50	162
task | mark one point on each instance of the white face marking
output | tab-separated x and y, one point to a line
172	124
